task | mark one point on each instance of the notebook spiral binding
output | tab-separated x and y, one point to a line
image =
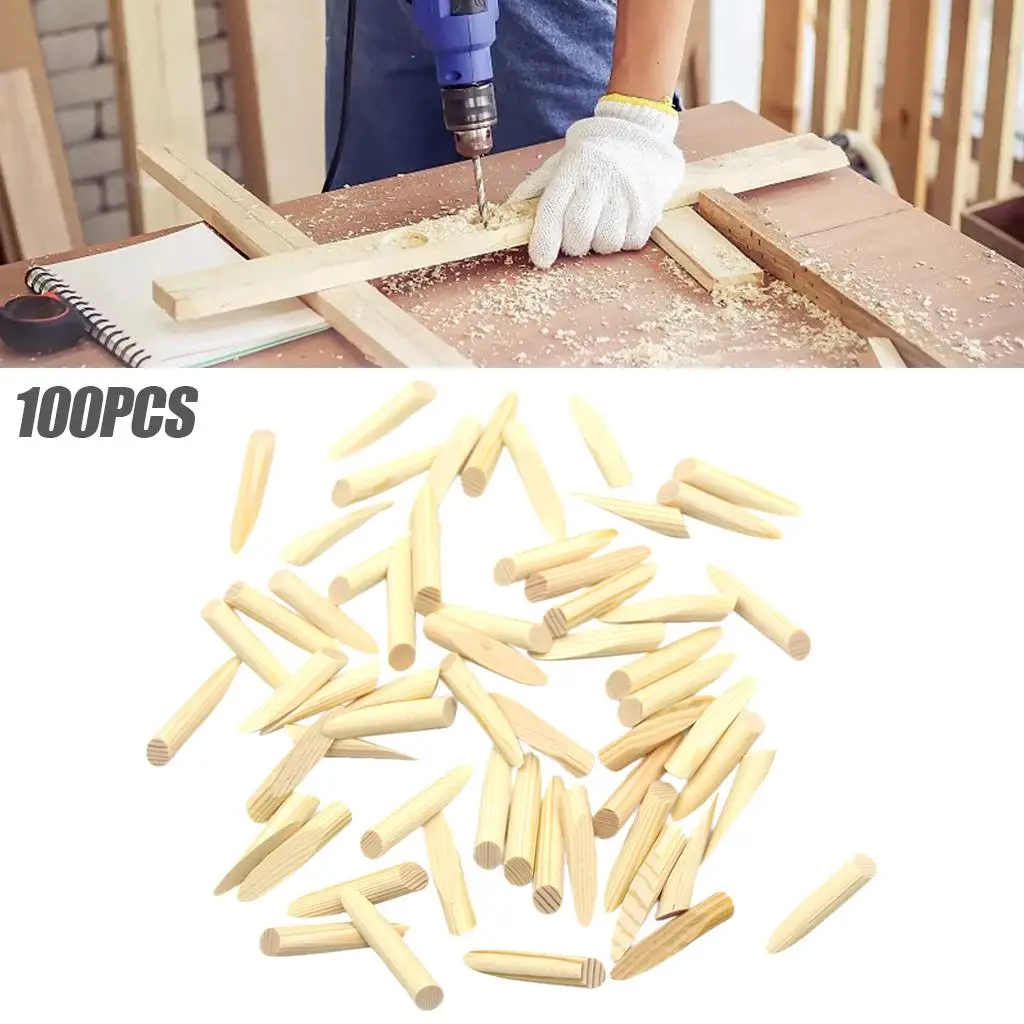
102	330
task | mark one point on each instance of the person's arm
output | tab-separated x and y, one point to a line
650	36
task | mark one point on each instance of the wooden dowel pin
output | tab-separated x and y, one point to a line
619	807
732	489
642	835
536	480
643	738
323	613
564	579
401	611
749	776
468	691
393	413
677	894
668	522
452	457
479	467
673	688
549	870
368	483
686	608
574	971
289	772
449	878
545	738
357	749
523	823
492	823
412	686
307	939
548	556
482	650
528	636
580	851
425	541
343	688
661	663
377	887
388	719
313	544
596	600
283	621
709	729
709	509
609	642
298	688
259	455
599	440
245	643
360	578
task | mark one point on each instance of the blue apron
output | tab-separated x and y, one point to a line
551	65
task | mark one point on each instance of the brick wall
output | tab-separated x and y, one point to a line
76	45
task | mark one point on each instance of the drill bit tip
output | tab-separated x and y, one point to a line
481	194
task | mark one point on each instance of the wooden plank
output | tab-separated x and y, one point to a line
160	99
881	354
949	190
996	160
791	262
382	331
19	48
27	177
907	94
448	239
278	65
830	56
862	76
782	64
702	252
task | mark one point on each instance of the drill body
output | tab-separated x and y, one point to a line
460	33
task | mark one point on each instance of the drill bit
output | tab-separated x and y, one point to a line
481	194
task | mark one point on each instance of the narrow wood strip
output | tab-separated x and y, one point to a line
483	650
640	839
545	969
259	455
449	878
749	776
468	691
733	489
540	488
580	851
307	939
882	354
666	521
677	895
492	822
175	732
378	887
670	938
643	738
316	608
544	737
609	642
823	902
283	621
360	578
523	823
619	807
547	556
392	414
244	642
479	467
564	579
684	608
599	439
313	544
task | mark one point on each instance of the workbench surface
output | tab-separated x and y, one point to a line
640	309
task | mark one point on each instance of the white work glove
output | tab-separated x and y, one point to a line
608	186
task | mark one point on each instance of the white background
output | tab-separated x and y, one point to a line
898	737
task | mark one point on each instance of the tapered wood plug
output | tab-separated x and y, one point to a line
762	616
549	871
661	663
343	688
733	489
452	457
387	719
289	773
283	621
670	938
425	540
716	767
677	894
749	775
296	690
479	467
173	735
823	902
368	483
609	642
449	878
619	807
259	455
643	738
355	748
640	840
377	887
360	578
564	579
323	613
709	509
539	487
580	851
709	729
295	851
685	608
523	823
673	688
388	417
245	643
646	887
545	738
602	445
313	544
548	556
595	601
492	823
306	939
401	609
413	686
482	650
545	969
290	817
468	691
528	636
668	522
413	813
388	944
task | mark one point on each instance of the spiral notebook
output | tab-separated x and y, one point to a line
113	291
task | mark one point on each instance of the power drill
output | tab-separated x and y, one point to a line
461	33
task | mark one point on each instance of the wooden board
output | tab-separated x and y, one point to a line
907	95
783	62
160	98
28	179
782	257
862	76
378	328
710	258
19	48
831	51
278	67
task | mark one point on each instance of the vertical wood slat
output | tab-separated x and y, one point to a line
696	76
782	64
907	94
278	63
949	192
862	77
996	156
830	53
160	98
19	48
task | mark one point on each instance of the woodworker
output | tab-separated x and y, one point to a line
598	73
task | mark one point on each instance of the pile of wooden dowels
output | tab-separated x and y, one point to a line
676	732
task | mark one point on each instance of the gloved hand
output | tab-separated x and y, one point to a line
608	186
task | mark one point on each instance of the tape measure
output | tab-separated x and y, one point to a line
40	325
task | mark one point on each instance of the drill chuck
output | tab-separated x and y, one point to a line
470	112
